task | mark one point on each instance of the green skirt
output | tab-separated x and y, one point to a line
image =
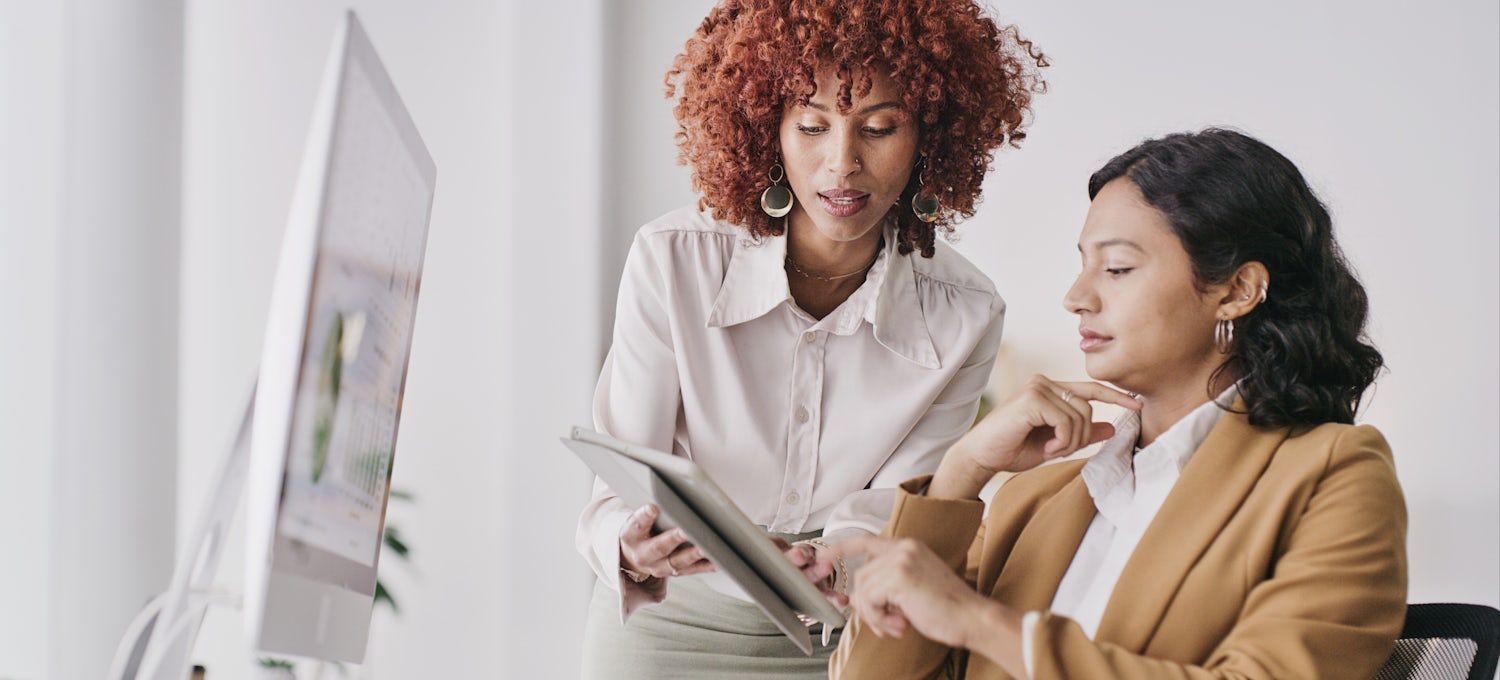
696	633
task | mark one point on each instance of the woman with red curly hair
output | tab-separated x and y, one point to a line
801	335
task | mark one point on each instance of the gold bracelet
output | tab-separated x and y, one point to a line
838	580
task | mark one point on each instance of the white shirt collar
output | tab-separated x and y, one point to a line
755	283
1117	470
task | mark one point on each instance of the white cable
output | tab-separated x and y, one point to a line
156	655
133	637
159	642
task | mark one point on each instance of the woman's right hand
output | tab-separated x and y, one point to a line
1042	421
665	554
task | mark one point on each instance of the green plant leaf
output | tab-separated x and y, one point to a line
401	495
381	594
394	543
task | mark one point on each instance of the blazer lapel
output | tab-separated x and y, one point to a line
1044	550
1211	488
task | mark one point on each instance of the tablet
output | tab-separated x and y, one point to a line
689	499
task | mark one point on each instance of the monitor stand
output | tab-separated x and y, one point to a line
158	644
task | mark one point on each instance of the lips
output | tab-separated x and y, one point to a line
1092	340
843	202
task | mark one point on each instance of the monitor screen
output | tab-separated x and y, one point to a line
333	372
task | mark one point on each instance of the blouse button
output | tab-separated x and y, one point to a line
802	414
809	336
792	498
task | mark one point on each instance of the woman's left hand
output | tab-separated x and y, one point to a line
805	556
903	584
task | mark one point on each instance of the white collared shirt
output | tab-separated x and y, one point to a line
806	423
1128	490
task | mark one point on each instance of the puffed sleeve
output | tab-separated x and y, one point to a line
636	400
1332	608
943	421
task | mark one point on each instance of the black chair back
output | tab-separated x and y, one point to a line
1446	642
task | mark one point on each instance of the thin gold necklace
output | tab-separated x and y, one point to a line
793	264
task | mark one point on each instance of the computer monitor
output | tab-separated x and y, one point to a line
333	369
313	451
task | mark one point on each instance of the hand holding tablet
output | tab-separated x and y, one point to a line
692	503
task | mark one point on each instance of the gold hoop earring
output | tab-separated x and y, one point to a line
777	200
925	206
1224	335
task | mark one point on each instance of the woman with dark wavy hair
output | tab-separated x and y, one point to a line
1235	523
801	335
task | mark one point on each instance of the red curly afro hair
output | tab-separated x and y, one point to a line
967	82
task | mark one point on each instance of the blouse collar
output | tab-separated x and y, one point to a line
1115	468
756	282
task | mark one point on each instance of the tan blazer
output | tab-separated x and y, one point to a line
1277	555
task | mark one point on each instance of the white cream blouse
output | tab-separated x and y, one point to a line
805	423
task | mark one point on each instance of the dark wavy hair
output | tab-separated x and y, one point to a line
967	83
1302	356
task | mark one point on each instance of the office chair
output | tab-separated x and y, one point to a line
1445	642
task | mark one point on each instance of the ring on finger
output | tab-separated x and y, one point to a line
1067	395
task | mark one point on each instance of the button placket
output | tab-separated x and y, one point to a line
802	432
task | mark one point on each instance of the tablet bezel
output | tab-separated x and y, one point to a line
750	542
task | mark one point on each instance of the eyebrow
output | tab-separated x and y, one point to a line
1101	245
867	110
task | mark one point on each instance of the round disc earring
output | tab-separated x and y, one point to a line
777	200
924	205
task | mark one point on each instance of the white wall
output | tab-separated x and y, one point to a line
1389	109
31	51
90	106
